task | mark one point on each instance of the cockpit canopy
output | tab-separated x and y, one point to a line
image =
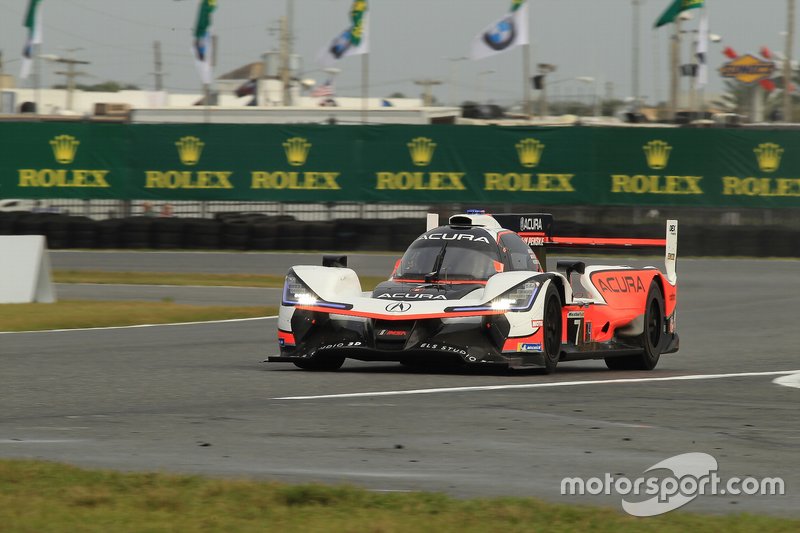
444	254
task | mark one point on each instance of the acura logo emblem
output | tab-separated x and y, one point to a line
399	307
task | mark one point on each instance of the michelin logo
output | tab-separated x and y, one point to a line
529	347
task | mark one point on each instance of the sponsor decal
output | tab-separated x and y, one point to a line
768	157
620	283
297	150
537	323
529	152
407	296
588	332
453	237
530	224
65	149
657	153
529	347
392	333
398	307
575	314
442	348
421	150
190	150
526	182
338	345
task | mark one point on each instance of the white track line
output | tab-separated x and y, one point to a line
142	326
792	380
537	385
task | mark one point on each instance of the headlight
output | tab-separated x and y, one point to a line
295	292
520	298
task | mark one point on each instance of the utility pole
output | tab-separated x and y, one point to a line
159	72
787	64
286	52
70	74
636	53
427	99
675	52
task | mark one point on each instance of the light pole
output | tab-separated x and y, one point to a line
590	80
787	64
452	80
481	86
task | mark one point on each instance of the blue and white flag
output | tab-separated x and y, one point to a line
33	22
504	34
352	41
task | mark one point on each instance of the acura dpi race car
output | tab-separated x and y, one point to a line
476	292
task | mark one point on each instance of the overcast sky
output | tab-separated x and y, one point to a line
410	39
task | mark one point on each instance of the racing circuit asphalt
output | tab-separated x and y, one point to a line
196	398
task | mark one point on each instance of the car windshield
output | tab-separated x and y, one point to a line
460	261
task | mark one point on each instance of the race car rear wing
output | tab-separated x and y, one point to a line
536	229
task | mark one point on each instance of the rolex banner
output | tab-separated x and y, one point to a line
675	9
504	34
352	41
480	165
202	40
33	22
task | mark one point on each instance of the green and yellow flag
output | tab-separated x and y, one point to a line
202	39
676	8
34	25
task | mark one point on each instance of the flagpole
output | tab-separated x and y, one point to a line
37	66
364	87
526	78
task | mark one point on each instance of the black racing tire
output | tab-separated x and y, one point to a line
325	364
651	339
551	329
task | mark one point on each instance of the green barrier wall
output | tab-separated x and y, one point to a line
402	164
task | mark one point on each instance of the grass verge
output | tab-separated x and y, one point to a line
43	496
94	314
185	279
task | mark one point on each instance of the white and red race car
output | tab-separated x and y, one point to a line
476	292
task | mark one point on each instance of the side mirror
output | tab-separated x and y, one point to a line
335	261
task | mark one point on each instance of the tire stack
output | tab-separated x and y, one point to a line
135	232
167	233
201	234
82	232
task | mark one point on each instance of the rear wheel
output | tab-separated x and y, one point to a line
321	364
551	326
651	338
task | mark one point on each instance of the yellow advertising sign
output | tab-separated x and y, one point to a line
747	69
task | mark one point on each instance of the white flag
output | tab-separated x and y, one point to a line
702	52
504	34
351	42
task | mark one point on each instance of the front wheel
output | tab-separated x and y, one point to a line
326	364
551	326
651	338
